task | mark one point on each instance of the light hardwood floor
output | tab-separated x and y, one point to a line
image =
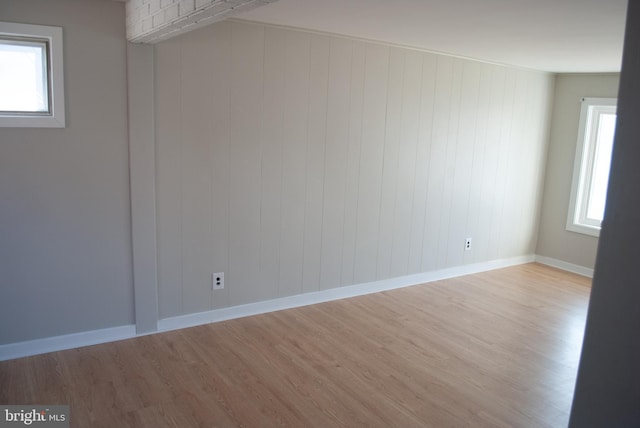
499	348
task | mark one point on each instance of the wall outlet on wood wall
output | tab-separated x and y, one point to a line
467	244
217	281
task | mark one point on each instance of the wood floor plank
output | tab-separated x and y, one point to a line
495	349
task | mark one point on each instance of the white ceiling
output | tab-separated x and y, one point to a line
549	35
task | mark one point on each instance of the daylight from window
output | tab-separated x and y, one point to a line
23	76
592	164
602	163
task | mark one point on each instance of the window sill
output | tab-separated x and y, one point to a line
585	230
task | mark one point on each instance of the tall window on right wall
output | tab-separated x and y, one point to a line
591	167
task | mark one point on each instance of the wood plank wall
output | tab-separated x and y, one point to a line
296	162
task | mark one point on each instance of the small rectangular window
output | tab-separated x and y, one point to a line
31	80
24	76
591	166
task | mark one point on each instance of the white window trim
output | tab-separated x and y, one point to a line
575	216
56	119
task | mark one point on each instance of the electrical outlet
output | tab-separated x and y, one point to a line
217	281
467	244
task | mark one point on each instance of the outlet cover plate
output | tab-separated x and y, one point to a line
217	281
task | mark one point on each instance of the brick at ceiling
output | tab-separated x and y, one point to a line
151	21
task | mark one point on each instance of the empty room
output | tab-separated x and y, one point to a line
319	213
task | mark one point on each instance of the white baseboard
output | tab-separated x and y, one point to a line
67	341
94	337
299	300
569	267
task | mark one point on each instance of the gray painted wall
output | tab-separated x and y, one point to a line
293	162
65	239
554	240
297	162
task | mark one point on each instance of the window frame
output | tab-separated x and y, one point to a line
56	117
577	220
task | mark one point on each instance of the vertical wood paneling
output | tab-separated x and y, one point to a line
537	99
371	160
437	162
486	246
220	119
196	172
271	168
409	128
247	50
531	168
335	162
297	162
168	177
541	94
390	162
519	156
444	232
423	153
465	148
503	167
316	136
480	192
358	64
294	152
